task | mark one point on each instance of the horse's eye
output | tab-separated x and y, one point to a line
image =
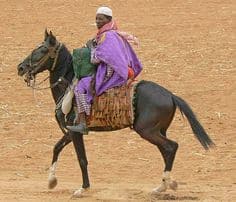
44	50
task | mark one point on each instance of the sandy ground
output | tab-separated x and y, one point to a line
186	46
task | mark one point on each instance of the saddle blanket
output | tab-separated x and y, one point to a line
114	108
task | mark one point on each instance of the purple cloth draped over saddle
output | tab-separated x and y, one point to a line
113	51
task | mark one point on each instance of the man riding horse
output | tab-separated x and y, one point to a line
154	106
116	60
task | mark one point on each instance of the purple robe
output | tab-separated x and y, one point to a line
113	51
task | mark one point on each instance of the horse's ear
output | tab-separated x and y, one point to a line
46	34
52	39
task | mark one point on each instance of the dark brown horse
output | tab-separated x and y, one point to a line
154	107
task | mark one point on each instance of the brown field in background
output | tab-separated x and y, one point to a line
186	46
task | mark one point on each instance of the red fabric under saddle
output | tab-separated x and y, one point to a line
113	108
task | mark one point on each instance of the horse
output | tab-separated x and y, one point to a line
155	107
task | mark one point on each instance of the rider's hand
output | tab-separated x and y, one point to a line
91	43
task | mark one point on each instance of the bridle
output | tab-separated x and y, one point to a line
53	53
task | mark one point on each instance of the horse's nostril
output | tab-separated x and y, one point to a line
20	70
19	66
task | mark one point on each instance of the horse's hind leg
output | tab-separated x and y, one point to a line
52	180
168	150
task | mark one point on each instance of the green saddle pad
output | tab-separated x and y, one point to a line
81	62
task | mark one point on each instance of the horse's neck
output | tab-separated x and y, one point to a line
63	68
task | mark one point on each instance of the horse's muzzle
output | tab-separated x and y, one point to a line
21	69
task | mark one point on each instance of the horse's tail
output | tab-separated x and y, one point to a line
197	128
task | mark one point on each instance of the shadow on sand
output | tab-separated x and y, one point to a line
156	197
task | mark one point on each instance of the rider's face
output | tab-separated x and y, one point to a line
101	20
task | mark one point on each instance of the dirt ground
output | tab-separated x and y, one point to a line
186	46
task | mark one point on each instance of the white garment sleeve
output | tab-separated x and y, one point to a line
94	59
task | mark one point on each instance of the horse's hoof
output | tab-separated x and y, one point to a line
173	185
160	189
79	193
52	182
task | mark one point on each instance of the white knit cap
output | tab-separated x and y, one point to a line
104	10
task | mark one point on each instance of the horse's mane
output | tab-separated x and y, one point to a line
64	70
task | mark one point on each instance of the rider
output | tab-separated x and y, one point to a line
117	63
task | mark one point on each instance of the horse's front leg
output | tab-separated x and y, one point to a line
78	142
52	180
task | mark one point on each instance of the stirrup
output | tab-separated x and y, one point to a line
81	128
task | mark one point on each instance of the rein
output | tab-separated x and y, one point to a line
35	86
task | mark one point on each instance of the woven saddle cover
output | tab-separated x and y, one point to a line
114	108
